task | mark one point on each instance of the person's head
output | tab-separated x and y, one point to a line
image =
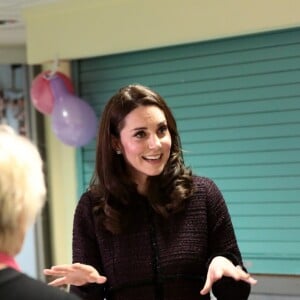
137	137
22	188
138	152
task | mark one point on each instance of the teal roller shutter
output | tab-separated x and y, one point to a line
237	106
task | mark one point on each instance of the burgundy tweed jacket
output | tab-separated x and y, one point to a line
160	258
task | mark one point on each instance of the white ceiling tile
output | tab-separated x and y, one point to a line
12	28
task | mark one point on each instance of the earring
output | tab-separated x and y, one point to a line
118	152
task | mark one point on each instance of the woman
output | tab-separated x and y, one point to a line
22	195
147	228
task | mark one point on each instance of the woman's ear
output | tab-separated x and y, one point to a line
116	145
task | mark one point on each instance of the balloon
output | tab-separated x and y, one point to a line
73	121
41	94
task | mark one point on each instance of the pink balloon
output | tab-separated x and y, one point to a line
41	94
73	120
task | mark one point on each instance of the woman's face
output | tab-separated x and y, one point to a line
145	143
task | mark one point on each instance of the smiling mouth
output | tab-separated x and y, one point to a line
152	157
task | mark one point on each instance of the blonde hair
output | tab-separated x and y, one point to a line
22	185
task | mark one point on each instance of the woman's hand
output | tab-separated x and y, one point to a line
74	274
221	266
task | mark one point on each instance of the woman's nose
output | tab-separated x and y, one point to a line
154	142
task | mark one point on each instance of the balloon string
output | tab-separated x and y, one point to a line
54	68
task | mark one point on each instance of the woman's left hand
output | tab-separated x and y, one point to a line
221	266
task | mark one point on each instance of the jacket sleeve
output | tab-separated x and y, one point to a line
222	242
85	247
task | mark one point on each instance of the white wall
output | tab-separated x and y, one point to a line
71	29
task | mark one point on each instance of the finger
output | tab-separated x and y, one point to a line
101	279
207	286
87	269
55	273
240	274
97	279
236	272
212	276
251	280
245	277
94	276
58	282
79	265
61	268
83	267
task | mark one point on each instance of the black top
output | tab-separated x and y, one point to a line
159	259
18	286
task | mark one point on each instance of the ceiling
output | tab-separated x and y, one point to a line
12	27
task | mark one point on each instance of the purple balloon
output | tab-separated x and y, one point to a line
73	121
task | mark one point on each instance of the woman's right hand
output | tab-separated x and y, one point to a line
74	274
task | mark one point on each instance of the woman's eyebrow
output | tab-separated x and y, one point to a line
164	122
138	128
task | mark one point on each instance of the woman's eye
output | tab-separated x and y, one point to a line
163	129
140	134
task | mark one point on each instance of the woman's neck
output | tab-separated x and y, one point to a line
7	260
142	186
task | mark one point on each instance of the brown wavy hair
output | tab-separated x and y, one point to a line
116	192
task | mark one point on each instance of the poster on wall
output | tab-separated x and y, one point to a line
13	97
12	110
